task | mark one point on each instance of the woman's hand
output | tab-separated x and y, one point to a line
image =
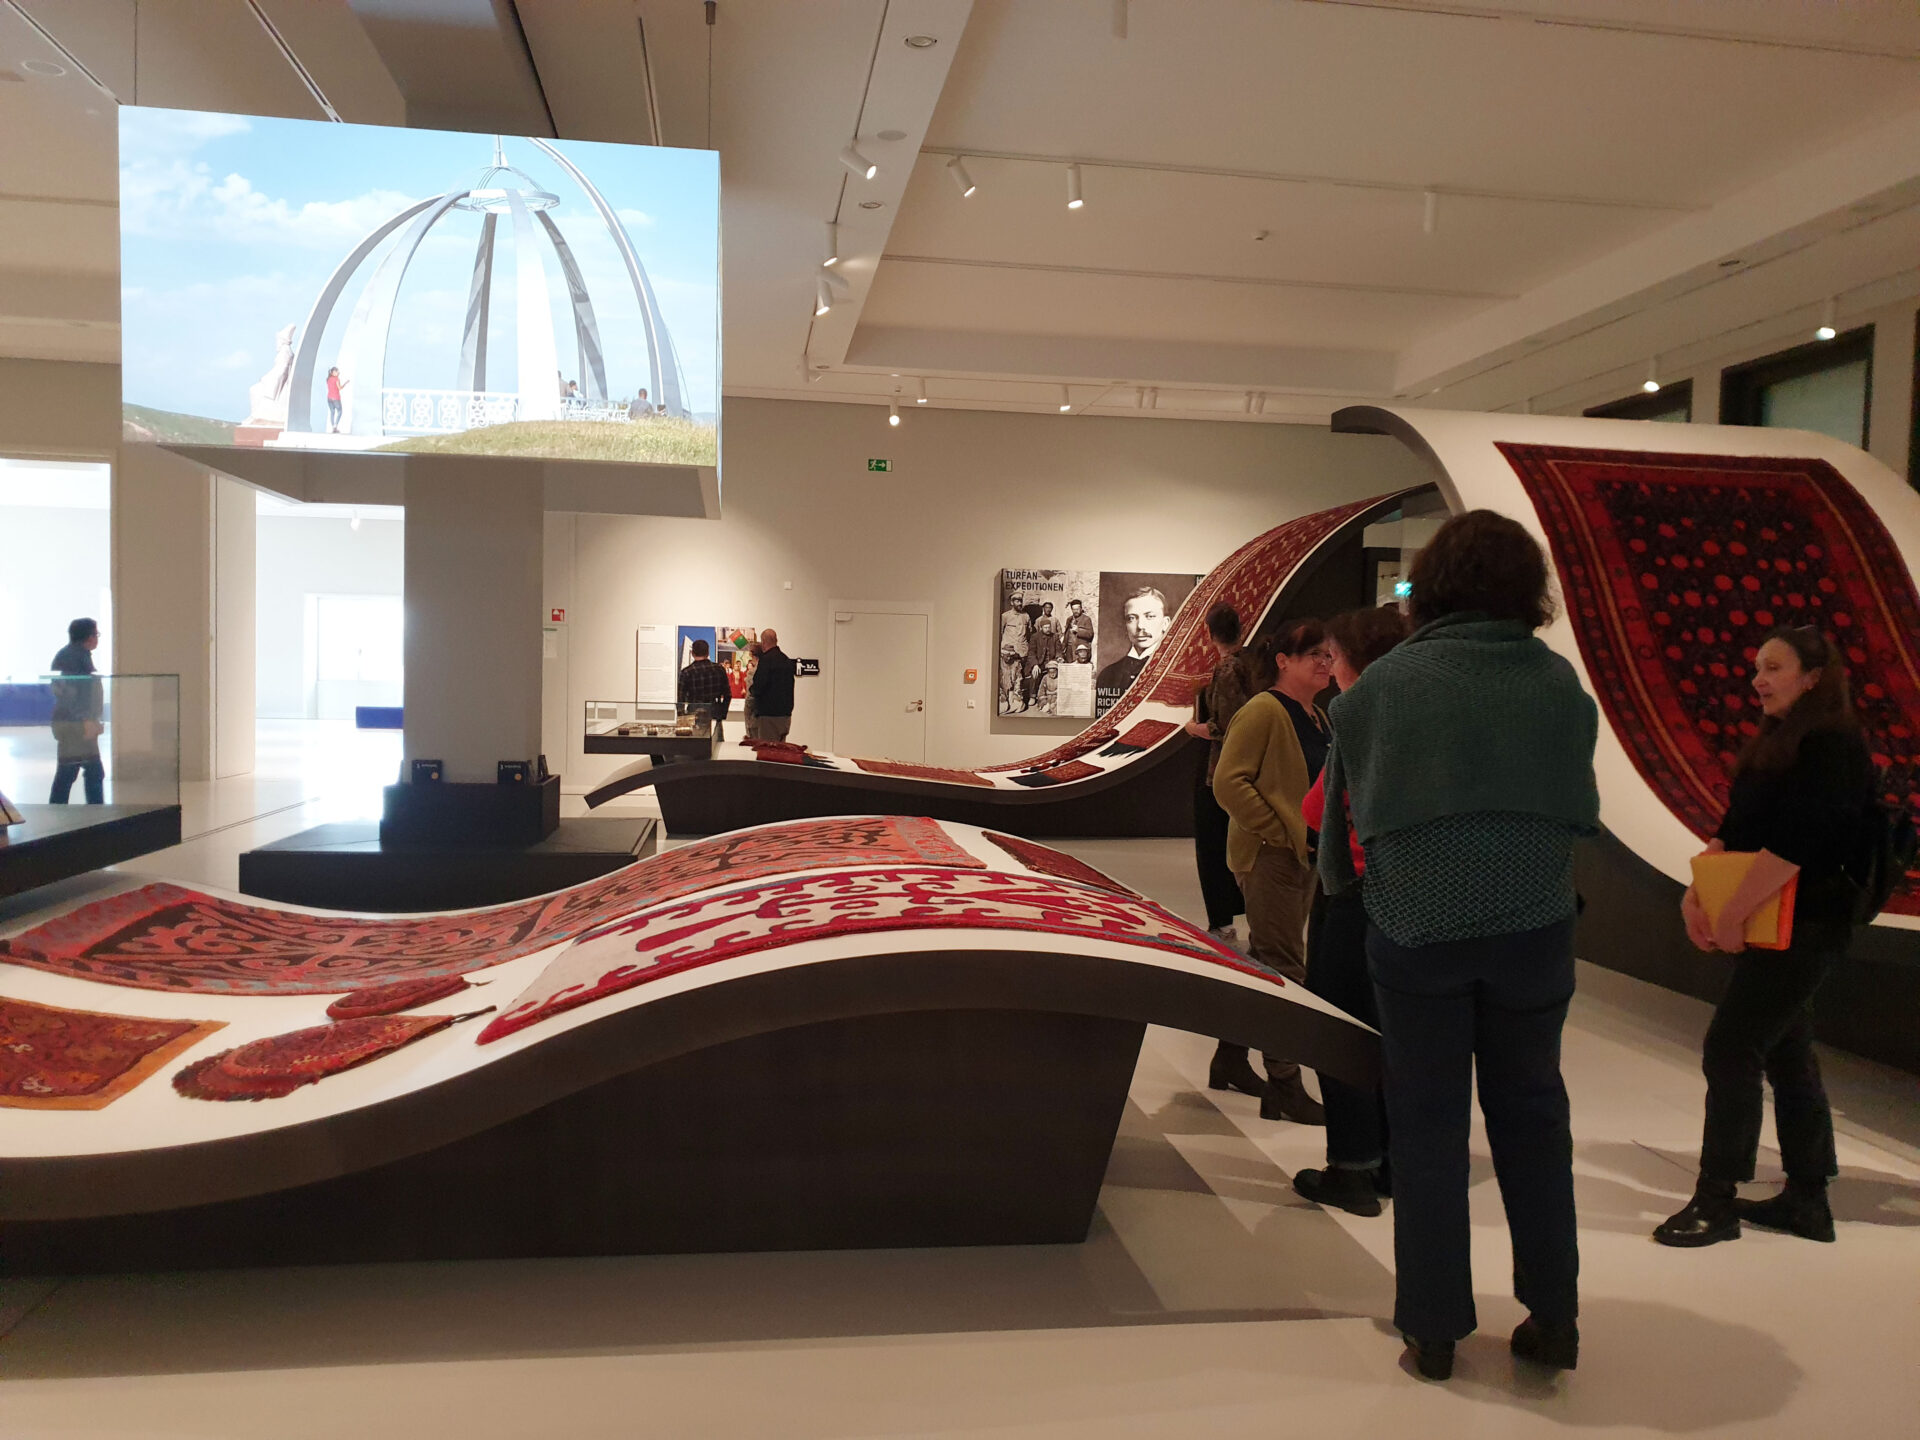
1199	729
1730	933
1698	930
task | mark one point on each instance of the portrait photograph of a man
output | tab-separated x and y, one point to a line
1136	611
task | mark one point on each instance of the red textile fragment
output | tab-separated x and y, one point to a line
906	771
52	1058
399	995
280	1064
1058	863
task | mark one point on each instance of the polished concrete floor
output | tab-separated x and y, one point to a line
1209	1301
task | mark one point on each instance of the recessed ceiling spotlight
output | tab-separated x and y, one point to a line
922	42
1261	234
893	414
1652	383
46	68
1066	400
1074	198
1827	315
833	245
921	398
957	168
822	297
872	205
858	165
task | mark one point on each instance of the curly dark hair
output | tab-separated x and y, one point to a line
1484	563
1223	624
1827	706
1365	635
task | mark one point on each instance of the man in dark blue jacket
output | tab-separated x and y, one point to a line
77	710
772	691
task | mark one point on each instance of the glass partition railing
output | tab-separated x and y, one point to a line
91	739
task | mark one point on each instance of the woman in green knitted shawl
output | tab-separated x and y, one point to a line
1467	757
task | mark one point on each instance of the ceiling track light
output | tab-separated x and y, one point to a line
858	165
1430	216
822	297
833	244
1828	314
921	398
1153	397
1652	383
1066	400
957	168
1074	198
837	285
893	413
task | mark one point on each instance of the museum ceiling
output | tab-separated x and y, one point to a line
1289	205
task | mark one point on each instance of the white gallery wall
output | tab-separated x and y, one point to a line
804	522
57	529
312	554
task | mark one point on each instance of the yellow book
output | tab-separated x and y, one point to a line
1717	874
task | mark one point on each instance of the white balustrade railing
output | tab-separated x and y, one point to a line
410	411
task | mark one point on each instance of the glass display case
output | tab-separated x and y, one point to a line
666	732
99	739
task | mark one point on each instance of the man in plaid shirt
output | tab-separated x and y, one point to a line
704	682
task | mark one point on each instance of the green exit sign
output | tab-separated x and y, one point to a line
879	464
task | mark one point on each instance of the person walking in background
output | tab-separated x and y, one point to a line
1356	1175
1802	786
772	691
77	710
1215	705
705	682
1467	755
1262	777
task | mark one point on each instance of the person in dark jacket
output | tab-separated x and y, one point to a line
77	710
772	691
1467	755
1801	788
704	682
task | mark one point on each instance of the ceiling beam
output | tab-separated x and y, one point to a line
1358	287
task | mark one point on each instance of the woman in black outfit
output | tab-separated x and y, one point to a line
1801	789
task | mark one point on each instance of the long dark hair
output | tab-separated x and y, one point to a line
1827	706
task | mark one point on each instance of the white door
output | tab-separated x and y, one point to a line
879	685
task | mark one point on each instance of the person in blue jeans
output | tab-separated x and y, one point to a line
77	712
1466	754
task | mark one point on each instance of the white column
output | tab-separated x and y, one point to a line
473	616
235	658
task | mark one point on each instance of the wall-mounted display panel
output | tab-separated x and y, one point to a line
294	284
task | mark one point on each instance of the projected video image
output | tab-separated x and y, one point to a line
296	283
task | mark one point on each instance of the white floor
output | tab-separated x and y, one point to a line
1209	1301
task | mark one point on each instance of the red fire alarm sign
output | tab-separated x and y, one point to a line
558	615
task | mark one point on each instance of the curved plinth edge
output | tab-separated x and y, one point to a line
631	1040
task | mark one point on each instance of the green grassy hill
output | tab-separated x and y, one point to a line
143	422
659	441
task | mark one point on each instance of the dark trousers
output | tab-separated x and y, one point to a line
1764	1028
1498	1003
1337	973
1217	885
65	773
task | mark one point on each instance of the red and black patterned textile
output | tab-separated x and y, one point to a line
398	995
906	771
280	1064
1250	580
1675	567
1072	770
163	937
670	939
57	1059
777	752
1058	863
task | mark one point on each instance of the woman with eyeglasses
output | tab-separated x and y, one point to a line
1801	789
1272	753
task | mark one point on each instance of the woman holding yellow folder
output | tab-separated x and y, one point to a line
1801	789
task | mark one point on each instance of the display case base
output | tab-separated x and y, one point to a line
60	841
347	866
454	815
946	1127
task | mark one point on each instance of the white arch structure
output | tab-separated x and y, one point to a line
362	356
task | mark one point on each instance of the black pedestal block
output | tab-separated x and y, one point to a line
348	866
58	841
470	815
954	1127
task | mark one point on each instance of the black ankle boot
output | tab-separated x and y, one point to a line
1349	1190
1432	1358
1707	1219
1231	1070
1289	1100
1799	1210
1556	1346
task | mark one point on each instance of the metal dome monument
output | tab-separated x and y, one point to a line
373	414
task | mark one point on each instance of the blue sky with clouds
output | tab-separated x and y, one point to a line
230	225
